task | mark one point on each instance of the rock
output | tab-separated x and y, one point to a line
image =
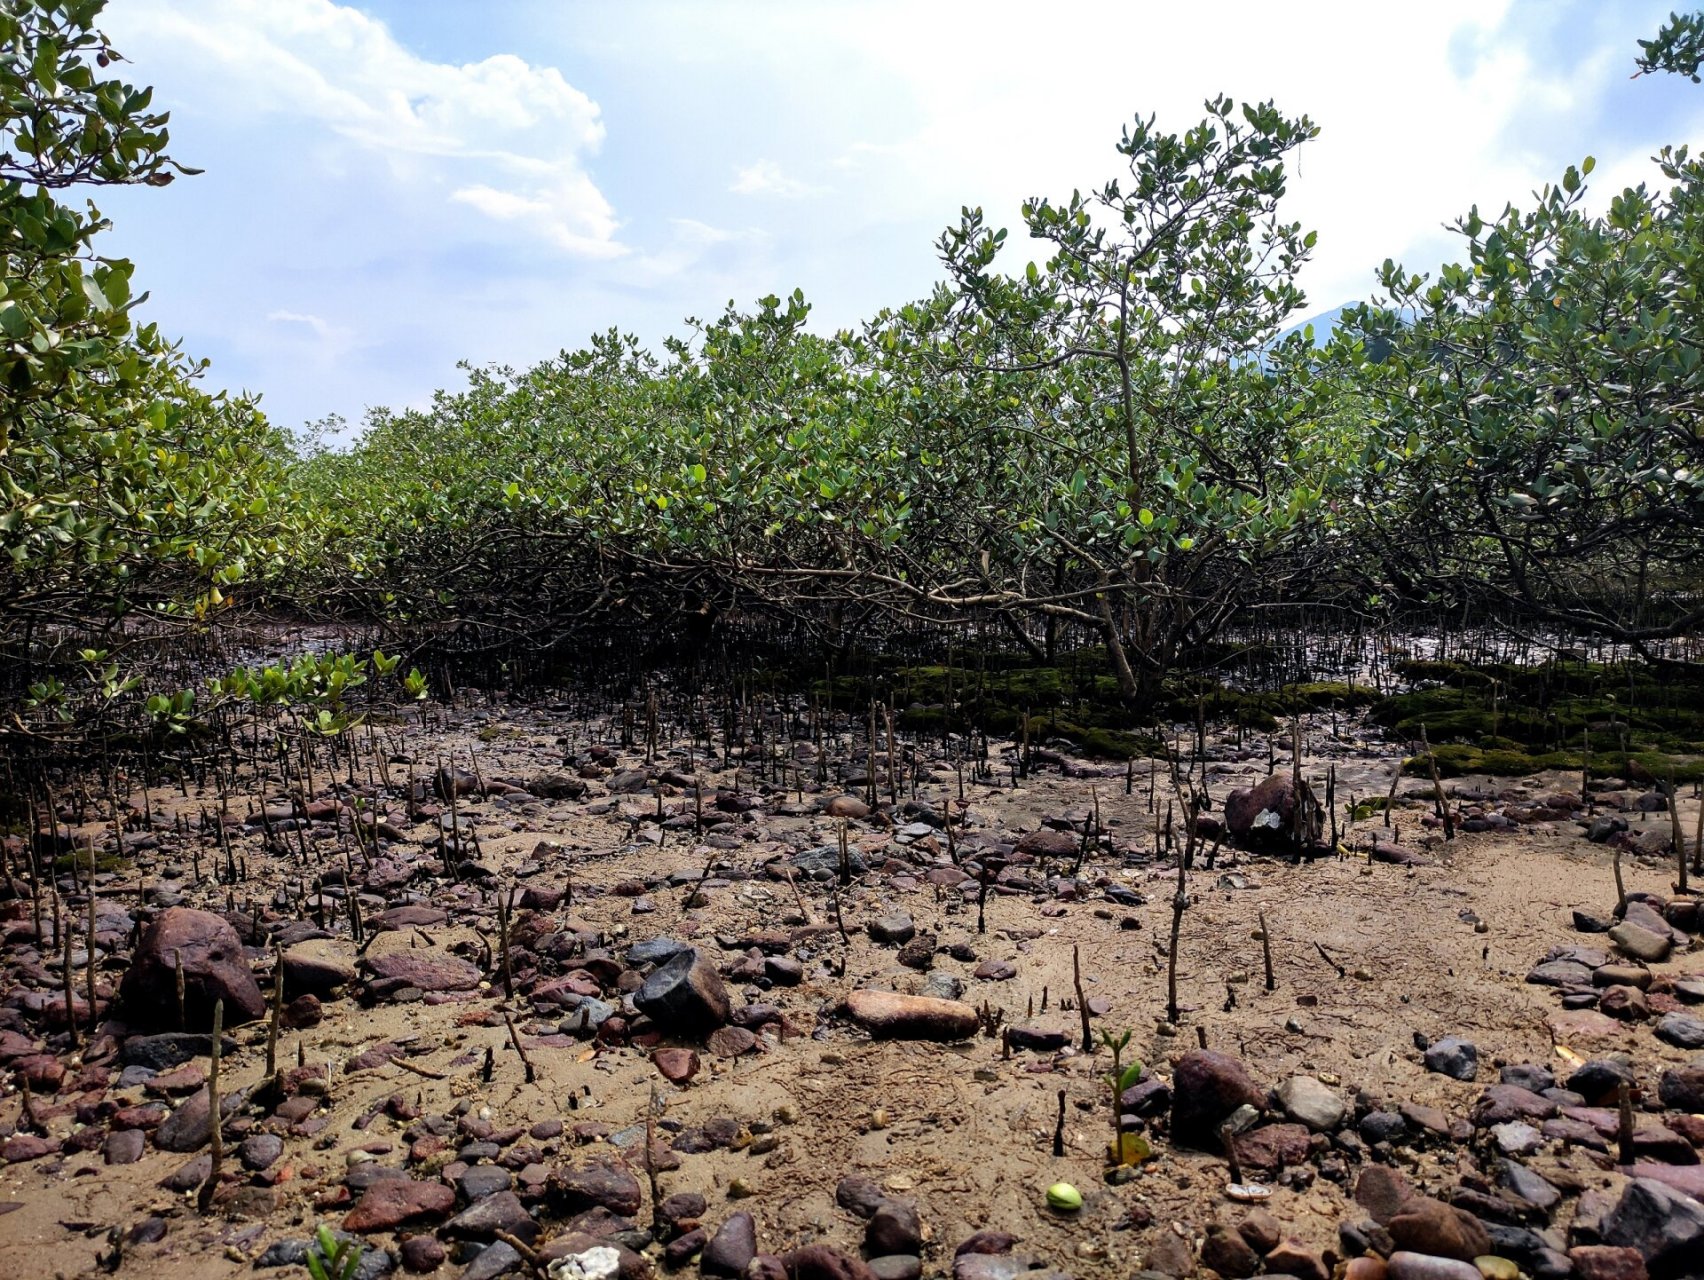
1454	1057
1527	1186
730	1251
1261	1230
574	1190
557	786
260	1151
1516	1138
1641	943
124	1146
819	1262
846	806
1621	975
783	971
190	1127
1626	1003
891	1015
391	1202
1038	1039
1598	1079
316	967
858	1195
676	1065
483	1219
170	1048
1225	1250
896	1266
1048	843
1682	1088
214	969
731	1042
1166	1254
1607	1262
1293	1258
684	1247
421	1254
1682	1031
1272	1147
501	1259
479	1181
392	972
1405	1265
652	951
986	1241
1307	1101
1560	973
1383	1126
1666	1227
1504	1102
1206	1087
894	1228
684	995
1267	811
892	929
1425	1225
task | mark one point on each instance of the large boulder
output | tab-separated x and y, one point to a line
214	969
1267	813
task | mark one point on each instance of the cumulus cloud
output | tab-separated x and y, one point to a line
766	179
501	136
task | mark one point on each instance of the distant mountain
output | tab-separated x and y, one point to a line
1323	324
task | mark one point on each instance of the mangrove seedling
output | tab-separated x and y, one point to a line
332	1259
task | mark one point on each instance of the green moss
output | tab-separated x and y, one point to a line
104	862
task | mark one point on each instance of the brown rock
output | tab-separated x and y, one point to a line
730	1251
421	1254
819	1262
731	1042
391	1202
894	1228
614	1188
985	1241
214	969
1607	1262
1425	1225
1293	1258
1267	811
890	1015
1225	1250
1261	1230
1272	1147
316	967
676	1065
391	973
1206	1088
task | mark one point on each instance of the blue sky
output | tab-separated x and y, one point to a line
393	187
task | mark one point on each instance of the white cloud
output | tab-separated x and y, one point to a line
506	138
766	179
320	328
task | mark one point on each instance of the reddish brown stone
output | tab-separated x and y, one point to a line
676	1065
391	1202
888	1014
214	969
